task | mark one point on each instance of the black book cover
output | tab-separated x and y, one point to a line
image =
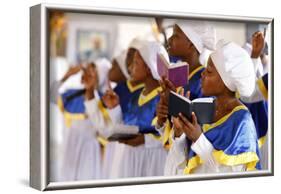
121	136
204	108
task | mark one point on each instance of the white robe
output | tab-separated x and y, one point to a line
81	155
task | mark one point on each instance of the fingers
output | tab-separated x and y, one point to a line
187	94
194	119
169	85
185	120
162	109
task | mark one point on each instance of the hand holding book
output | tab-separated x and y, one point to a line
191	129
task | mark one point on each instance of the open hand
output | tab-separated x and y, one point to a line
258	44
110	99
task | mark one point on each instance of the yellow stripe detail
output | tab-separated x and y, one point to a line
60	104
261	141
195	71
133	88
250	159
207	127
104	112
69	117
262	88
102	140
148	97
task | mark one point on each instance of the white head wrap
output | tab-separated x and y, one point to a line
203	37
103	66
121	60
148	51
235	67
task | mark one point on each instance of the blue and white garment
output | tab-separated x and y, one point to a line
234	140
82	154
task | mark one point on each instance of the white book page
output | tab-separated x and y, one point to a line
205	100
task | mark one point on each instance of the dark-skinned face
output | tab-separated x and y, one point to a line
140	70
180	46
90	76
212	84
115	74
129	59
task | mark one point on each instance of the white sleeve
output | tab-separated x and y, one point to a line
255	97
176	159
95	115
107	127
204	149
54	91
258	66
160	129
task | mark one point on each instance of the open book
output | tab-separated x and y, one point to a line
177	73
204	108
121	132
120	136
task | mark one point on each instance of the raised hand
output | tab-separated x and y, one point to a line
71	71
258	44
110	99
162	109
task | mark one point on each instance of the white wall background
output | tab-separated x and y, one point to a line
14	98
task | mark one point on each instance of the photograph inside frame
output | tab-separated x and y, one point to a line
134	96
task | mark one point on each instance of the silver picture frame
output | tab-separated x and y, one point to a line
39	97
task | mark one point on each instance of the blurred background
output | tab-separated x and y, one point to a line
76	37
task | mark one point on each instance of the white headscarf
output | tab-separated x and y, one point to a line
235	67
103	66
148	51
202	35
121	60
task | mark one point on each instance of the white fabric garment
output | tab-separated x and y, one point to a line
121	60
148	51
256	96
176	159
235	68
82	155
115	153
258	66
103	66
202	35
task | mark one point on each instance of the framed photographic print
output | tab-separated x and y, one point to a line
122	97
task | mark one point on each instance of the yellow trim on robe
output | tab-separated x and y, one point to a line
261	141
104	112
195	71
248	158
60	104
262	88
69	117
133	88
207	127
166	137
147	98
102	140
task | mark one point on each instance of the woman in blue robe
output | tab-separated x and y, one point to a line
230	143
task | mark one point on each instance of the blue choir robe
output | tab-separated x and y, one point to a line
82	154
259	112
234	140
195	83
125	91
142	111
72	106
263	85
